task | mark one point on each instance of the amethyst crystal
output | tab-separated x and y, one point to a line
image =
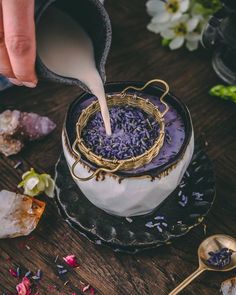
133	132
220	258
18	127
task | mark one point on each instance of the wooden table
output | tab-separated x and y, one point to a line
136	55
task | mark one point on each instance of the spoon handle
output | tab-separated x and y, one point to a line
187	281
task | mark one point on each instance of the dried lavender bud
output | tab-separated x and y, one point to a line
62	272
220	258
28	273
133	132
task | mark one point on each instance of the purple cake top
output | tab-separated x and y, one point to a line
174	134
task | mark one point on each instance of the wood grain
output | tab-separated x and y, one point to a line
136	54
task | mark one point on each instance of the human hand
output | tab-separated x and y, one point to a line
17	42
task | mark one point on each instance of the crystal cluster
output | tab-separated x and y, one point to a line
16	128
228	287
19	214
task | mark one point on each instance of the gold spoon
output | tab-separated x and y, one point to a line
213	243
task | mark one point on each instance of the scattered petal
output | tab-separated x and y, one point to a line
71	260
129	219
18	164
23	288
86	288
13	272
28	273
62	271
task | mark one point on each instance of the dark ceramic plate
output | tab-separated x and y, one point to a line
185	208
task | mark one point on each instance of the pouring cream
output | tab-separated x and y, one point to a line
66	49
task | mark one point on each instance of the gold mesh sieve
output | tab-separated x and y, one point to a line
118	99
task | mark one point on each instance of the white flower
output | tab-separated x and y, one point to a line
183	29
166	11
34	184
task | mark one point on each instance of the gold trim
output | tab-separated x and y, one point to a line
102	175
108	165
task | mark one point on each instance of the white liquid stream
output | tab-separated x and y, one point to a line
66	49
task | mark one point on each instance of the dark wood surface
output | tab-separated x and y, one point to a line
136	54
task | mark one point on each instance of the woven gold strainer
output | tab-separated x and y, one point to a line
117	99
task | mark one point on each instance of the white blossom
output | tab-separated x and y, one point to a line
34	184
166	11
184	30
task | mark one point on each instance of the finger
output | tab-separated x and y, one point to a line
19	29
5	65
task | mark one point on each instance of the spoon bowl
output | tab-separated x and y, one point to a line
214	244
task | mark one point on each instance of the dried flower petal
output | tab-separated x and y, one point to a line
18	164
28	273
62	271
13	272
23	288
71	260
86	288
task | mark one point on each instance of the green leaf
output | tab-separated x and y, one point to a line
224	92
206	7
165	42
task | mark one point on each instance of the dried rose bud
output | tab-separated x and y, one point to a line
71	260
23	288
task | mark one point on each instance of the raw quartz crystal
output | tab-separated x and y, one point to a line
228	287
16	128
19	214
